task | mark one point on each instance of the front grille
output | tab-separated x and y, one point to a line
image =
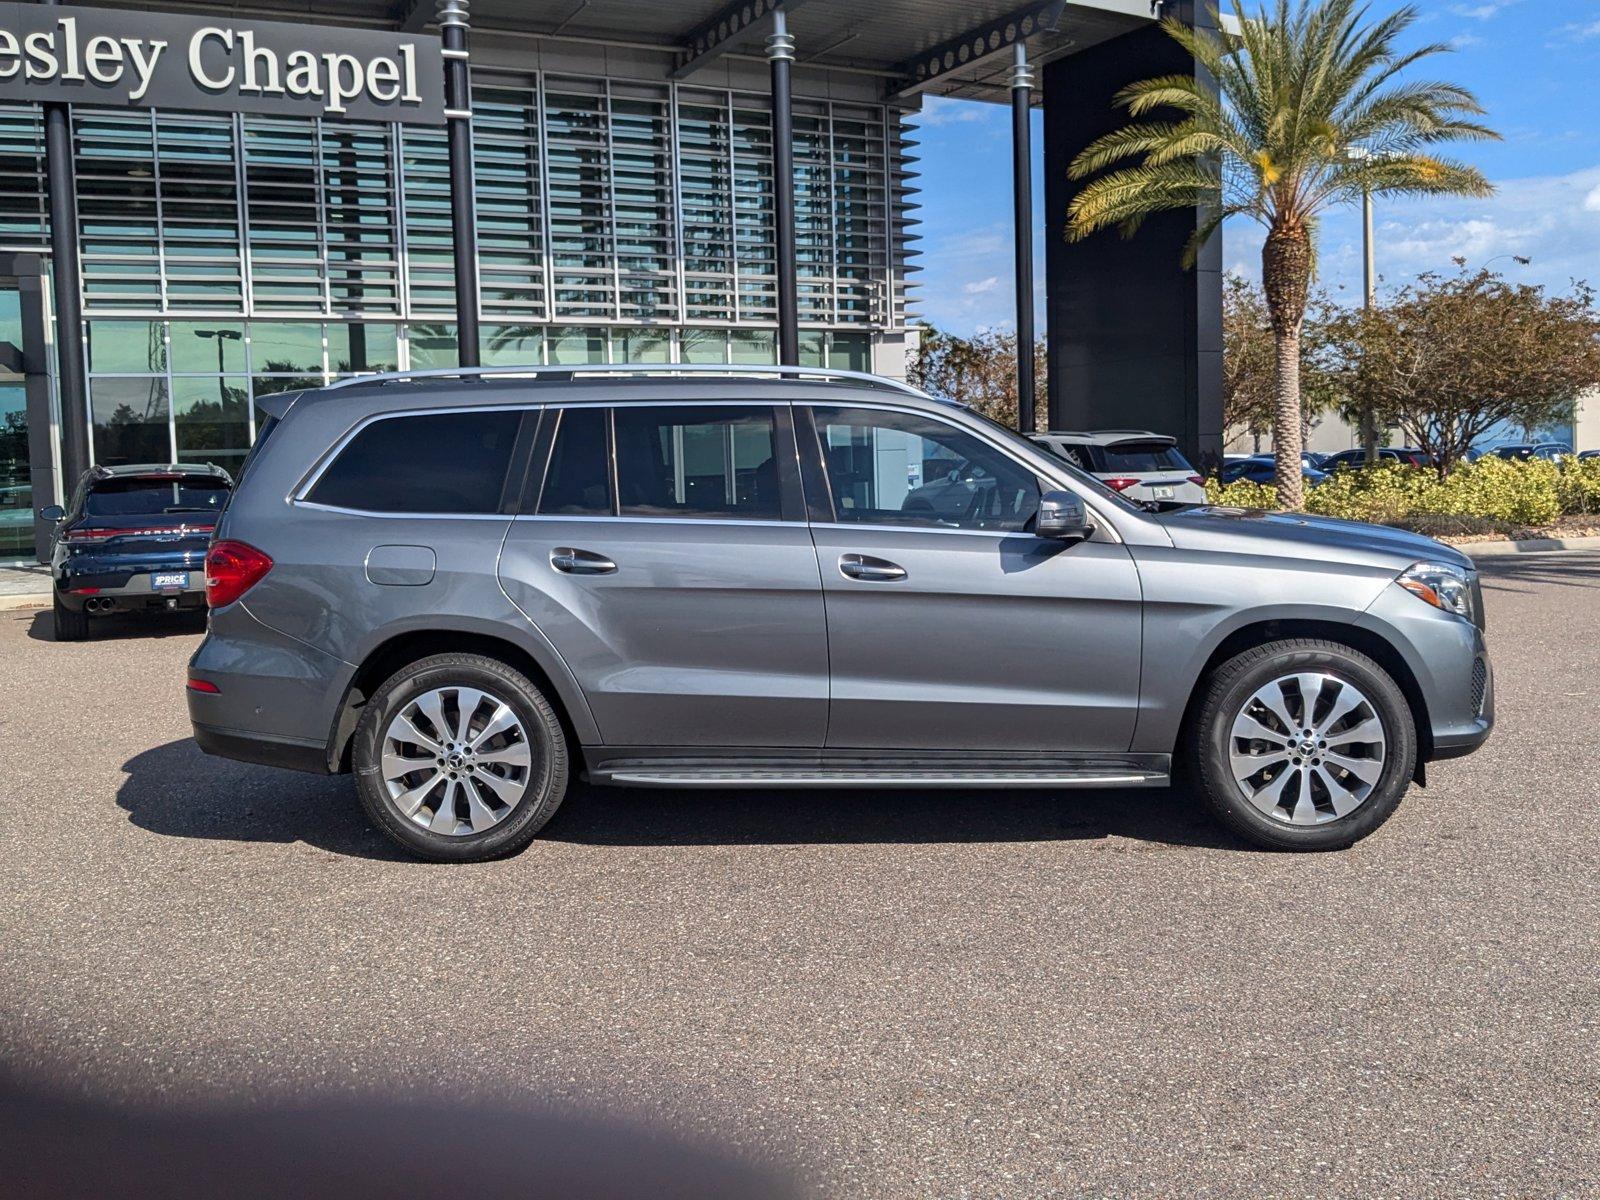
1480	684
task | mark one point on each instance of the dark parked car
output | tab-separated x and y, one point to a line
134	538
1261	468
1406	456
1527	451
1587	454
1234	465
467	588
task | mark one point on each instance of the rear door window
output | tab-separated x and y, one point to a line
710	462
155	496
577	482
443	463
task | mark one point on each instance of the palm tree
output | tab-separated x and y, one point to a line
1307	113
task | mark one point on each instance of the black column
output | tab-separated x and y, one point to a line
1135	340
1022	236
463	206
68	292
780	52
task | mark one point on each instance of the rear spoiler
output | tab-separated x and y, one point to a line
277	404
1146	439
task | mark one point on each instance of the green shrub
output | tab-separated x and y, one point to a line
1240	494
1580	486
1490	494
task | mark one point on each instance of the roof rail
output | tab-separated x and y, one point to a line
633	371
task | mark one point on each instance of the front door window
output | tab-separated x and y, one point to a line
893	468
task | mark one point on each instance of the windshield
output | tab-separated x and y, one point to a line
1090	484
148	496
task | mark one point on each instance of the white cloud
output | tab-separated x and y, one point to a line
1554	221
965	280
942	110
1462	40
1481	12
1582	32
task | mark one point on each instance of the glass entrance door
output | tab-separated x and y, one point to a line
16	483
27	461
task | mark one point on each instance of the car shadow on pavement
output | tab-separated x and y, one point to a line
176	791
124	625
683	817
1561	568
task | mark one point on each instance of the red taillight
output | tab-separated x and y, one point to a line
232	569
204	685
1198	480
1121	483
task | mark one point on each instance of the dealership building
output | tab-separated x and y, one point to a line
212	202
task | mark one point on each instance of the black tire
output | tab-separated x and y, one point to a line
1224	694
546	783
71	626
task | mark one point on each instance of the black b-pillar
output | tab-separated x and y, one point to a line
68	289
780	52
1022	236
463	207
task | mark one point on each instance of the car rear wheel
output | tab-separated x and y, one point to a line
70	625
1302	745
460	758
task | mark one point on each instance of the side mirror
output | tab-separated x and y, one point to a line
1062	516
52	512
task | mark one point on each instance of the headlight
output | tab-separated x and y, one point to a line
1441	585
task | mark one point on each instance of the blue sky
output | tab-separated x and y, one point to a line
1535	65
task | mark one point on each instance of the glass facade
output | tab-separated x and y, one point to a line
226	257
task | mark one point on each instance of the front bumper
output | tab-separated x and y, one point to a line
1449	660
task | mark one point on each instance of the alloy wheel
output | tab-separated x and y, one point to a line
1307	748
456	760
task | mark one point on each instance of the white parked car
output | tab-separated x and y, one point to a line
1143	466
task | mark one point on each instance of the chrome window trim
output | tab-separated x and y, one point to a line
401	516
598	518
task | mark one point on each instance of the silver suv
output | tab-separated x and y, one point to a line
466	587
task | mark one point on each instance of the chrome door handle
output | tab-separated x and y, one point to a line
570	561
870	570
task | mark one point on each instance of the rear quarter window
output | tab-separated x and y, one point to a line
429	463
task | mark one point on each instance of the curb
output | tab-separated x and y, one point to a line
1477	550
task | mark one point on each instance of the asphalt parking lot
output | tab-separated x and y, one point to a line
981	994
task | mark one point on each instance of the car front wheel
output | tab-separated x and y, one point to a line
460	758
1302	744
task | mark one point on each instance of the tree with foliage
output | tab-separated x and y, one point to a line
1448	358
1249	395
980	371
1307	113
1249	362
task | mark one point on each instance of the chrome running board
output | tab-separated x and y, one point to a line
890	770
874	779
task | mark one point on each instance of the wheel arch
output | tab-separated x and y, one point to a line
1365	641
402	648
